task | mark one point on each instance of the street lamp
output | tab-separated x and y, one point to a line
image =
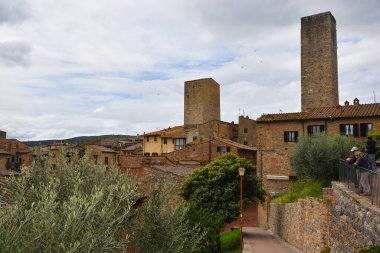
241	174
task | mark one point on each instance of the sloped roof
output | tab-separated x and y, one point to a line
101	148
235	144
334	112
177	131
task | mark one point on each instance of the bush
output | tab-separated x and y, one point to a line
71	207
300	189
230	240
317	156
371	249
162	227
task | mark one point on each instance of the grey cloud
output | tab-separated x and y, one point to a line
13	11
15	53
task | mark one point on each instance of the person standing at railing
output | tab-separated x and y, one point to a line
351	160
363	166
371	151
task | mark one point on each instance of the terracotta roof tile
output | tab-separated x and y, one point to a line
347	111
177	131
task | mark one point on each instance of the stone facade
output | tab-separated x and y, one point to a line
14	155
354	222
319	68
205	152
247	131
343	221
275	153
302	224
3	135
202	101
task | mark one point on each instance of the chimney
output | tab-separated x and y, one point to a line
346	103
356	101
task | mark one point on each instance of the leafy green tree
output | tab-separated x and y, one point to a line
74	206
317	156
164	227
214	193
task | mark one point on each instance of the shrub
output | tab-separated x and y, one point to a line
317	156
300	189
162	227
74	206
230	240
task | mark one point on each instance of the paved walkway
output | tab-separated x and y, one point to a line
258	240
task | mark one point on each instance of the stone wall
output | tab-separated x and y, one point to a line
354	221
344	222
302	224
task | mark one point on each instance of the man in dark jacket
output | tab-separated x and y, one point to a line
363	166
371	151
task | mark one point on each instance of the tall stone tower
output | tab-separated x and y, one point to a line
319	67
202	101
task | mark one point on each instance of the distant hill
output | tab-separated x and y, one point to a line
78	140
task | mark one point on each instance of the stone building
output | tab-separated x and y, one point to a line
203	137
319	65
3	135
277	134
14	155
202	102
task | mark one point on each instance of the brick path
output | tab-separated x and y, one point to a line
258	240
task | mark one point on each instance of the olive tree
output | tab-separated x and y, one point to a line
73	206
317	156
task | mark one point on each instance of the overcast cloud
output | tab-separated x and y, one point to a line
70	68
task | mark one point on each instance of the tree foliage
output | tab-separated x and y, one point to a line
216	186
317	156
164	227
74	206
213	192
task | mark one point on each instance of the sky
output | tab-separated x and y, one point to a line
72	68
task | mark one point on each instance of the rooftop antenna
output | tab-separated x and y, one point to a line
243	112
239	111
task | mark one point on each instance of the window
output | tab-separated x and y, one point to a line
315	129
365	128
147	139
155	138
179	143
165	140
106	160
245	130
13	159
350	129
245	142
290	136
195	138
223	149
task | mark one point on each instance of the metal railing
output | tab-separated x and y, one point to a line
351	175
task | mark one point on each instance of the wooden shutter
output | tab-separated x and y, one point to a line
285	136
217	149
296	136
322	128
228	149
363	129
356	130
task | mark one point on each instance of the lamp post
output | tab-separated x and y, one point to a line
241	174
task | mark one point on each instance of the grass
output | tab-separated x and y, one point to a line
230	241
300	189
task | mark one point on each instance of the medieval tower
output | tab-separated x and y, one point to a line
202	101
319	67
